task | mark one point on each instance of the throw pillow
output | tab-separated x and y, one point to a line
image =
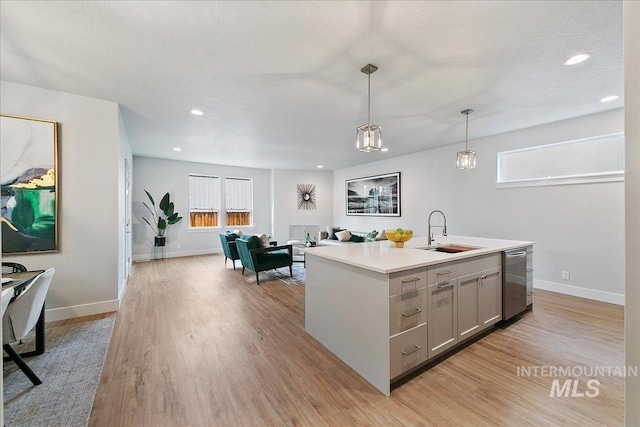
264	240
356	239
370	237
331	231
237	232
343	235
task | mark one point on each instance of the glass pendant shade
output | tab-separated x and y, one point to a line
369	138
466	159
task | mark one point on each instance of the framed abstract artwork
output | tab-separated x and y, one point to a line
374	195
29	172
306	194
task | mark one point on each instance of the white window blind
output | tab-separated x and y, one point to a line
204	200
238	194
204	192
582	160
239	201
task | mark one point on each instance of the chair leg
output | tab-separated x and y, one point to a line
21	364
243	270
258	277
291	271
234	264
225	260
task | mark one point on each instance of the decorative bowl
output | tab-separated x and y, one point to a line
399	236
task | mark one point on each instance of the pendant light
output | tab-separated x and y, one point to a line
369	136
467	158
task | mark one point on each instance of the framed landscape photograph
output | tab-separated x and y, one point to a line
374	195
29	171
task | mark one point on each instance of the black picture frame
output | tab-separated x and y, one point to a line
377	195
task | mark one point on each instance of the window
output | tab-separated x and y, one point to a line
239	201
599	158
204	201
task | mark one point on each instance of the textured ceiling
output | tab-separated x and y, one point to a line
280	82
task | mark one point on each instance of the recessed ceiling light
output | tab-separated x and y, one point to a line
578	59
177	149
197	112
320	166
609	98
384	149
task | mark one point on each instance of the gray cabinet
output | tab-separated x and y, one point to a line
463	298
490	297
442	315
479	301
407	350
468	305
407	320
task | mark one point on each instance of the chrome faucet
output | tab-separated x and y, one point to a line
444	227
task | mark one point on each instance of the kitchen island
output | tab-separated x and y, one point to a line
386	311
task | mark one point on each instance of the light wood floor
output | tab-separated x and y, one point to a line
195	344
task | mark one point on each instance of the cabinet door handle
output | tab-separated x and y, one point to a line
445	285
411	312
415	348
442	273
415	279
529	270
521	254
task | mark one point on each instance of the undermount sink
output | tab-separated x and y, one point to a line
452	248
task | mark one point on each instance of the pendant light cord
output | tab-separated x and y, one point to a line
369	105
466	135
466	131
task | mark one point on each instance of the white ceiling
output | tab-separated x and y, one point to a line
280	82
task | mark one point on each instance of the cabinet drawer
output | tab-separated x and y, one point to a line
407	281
407	350
407	310
441	273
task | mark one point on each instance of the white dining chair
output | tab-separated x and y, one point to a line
22	315
7	294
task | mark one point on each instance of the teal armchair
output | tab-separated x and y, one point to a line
228	241
256	258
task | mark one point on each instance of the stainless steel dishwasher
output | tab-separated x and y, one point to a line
517	275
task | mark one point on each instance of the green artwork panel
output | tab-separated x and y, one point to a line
29	185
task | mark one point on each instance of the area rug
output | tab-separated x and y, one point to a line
281	274
70	371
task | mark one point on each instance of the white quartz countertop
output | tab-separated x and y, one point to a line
383	257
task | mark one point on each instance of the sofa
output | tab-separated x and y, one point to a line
339	237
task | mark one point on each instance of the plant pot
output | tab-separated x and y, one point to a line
160	241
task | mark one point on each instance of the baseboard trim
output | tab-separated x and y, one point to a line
577	291
63	313
146	257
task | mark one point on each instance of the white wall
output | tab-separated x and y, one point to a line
632	184
159	176
86	279
124	234
285	202
577	228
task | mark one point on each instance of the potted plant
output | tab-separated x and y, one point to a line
161	218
